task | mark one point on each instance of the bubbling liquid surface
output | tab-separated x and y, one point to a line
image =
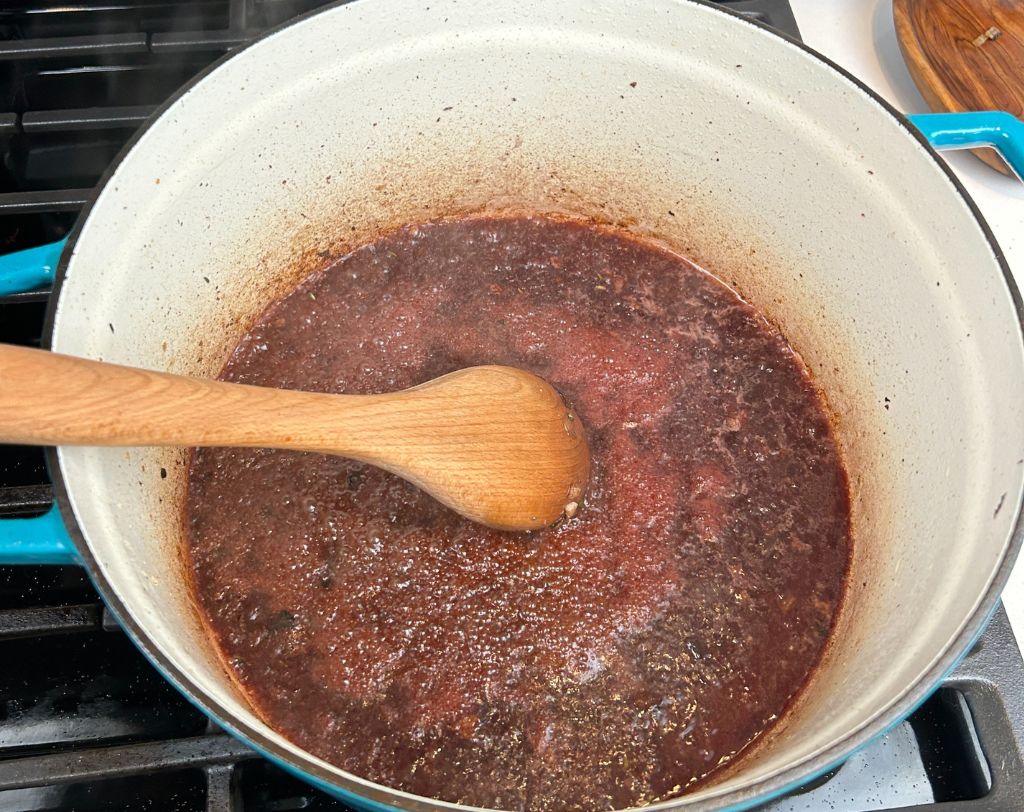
614	660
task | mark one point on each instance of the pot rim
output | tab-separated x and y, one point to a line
305	767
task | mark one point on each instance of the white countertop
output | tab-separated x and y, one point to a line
859	35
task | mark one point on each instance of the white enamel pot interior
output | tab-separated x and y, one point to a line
741	149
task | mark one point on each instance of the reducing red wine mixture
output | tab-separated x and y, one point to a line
616	659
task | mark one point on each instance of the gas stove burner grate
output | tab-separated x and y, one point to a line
85	722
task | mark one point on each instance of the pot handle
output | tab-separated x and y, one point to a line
990	128
29	269
40	540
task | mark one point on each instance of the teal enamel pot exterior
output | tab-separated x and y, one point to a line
675	119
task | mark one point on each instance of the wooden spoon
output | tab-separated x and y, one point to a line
494	443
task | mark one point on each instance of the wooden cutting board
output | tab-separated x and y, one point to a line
965	55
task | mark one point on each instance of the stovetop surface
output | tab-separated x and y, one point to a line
85	722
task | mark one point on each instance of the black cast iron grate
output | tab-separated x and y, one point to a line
85	722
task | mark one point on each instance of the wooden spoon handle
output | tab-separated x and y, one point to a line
51	399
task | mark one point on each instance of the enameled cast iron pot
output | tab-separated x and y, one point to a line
740	148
